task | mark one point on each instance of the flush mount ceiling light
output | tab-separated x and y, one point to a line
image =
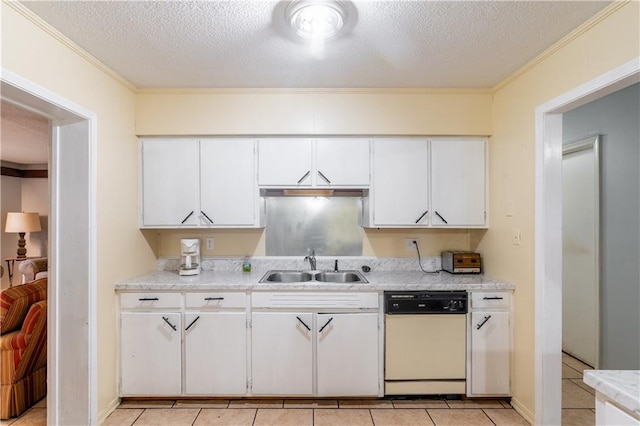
316	19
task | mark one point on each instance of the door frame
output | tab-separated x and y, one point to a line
548	233
72	385
591	143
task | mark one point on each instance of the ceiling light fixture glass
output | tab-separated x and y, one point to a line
316	19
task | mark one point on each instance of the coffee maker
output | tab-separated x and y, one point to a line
190	256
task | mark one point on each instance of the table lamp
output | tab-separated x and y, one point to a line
22	223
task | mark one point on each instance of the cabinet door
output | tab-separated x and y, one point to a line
170	187
281	357
458	182
400	179
347	354
150	353
342	162
490	346
284	162
215	353
228	182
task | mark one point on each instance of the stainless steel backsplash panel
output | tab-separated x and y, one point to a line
331	226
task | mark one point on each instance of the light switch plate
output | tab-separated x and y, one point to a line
209	243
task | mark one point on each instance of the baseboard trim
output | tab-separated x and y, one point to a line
523	411
108	410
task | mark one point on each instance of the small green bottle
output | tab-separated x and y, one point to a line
246	264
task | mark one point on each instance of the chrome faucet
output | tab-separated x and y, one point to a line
312	260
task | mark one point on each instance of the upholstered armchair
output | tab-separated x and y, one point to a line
33	269
23	347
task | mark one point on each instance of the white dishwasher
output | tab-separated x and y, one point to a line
425	342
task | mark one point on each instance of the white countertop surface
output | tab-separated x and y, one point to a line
621	386
245	281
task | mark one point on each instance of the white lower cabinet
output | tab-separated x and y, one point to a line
489	345
174	344
345	346
609	413
198	344
215	353
347	354
281	353
150	353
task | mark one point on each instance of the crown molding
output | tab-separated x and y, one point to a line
582	29
316	91
57	35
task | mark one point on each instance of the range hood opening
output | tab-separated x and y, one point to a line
313	192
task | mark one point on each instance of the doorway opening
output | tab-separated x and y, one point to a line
548	233
71	317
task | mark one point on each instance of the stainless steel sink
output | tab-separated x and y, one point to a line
286	277
340	277
301	277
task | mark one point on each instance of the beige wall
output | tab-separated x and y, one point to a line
343	112
31	52
602	47
376	242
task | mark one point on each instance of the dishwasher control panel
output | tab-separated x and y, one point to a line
425	302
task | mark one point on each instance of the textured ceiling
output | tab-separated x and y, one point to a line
245	44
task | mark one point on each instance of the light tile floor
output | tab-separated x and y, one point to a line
578	399
578	402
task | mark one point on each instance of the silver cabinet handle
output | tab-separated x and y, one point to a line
483	322
304	176
492	298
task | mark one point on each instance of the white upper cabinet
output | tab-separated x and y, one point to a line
170	182
458	182
326	162
400	183
284	162
228	182
436	182
342	162
199	183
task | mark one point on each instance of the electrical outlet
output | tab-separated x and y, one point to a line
409	244
516	237
209	243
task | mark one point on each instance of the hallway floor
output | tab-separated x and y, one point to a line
578	399
578	402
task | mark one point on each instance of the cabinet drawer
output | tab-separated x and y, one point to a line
498	299
216	300
150	300
314	300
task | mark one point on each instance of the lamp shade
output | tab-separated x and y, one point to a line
23	222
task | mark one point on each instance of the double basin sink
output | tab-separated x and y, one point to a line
351	277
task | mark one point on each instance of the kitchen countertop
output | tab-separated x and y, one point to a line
249	281
621	386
